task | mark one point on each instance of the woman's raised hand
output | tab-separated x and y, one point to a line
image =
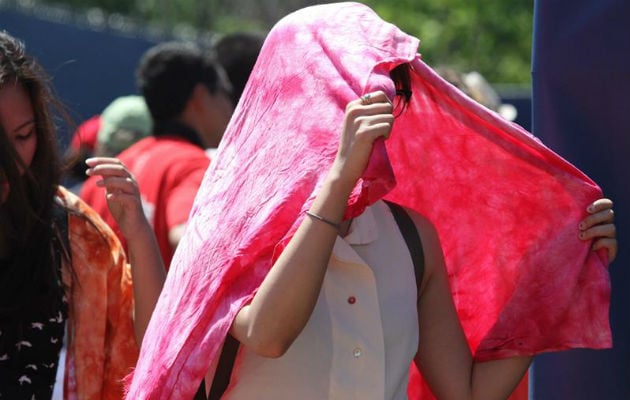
121	192
367	119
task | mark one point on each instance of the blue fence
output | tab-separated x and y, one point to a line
89	67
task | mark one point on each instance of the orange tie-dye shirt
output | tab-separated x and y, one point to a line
101	345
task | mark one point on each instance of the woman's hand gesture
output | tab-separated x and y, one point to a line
600	227
121	192
366	120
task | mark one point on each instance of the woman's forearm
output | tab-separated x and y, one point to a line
286	298
148	275
497	379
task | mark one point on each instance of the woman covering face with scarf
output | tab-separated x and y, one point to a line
291	251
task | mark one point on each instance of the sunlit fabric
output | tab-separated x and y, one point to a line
101	347
505	206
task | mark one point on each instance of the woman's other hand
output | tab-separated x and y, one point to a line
121	192
600	227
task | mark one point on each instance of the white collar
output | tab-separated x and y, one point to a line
363	229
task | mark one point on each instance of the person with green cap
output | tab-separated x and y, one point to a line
124	121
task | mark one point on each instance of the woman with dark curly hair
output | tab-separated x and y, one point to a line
62	270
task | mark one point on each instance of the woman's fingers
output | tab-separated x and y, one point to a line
366	119
600	227
601	221
374	125
372	101
609	244
605	216
121	192
371	115
378	105
106	167
599	205
116	179
118	183
95	162
599	231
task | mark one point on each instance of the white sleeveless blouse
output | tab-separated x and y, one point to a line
363	333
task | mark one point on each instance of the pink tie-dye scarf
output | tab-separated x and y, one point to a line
505	206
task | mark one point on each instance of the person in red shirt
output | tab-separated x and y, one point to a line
188	97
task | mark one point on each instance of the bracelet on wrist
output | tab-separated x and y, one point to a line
324	220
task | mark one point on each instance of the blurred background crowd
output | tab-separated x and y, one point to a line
91	50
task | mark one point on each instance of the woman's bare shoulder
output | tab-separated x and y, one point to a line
426	229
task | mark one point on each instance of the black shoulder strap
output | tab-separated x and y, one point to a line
224	368
412	238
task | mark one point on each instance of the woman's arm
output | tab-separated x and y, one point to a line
288	294
147	269
443	354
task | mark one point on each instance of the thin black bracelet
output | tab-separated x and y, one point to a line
324	220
